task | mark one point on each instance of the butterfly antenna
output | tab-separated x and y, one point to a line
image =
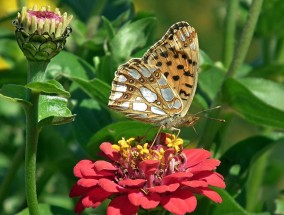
209	109
194	130
219	120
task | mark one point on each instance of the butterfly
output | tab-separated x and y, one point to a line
159	87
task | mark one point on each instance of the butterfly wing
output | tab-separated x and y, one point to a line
177	56
142	93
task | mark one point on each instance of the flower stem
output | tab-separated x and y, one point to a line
210	128
229	31
36	72
279	53
32	133
246	37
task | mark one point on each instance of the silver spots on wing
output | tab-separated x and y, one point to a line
192	46
134	74
120	88
145	72
138	98
124	105
157	111
139	106
116	95
122	78
148	94
162	81
182	37
177	104
167	94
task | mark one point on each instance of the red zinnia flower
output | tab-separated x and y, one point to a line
147	176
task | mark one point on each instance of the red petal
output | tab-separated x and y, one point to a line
209	164
195	156
176	177
109	185
211	194
95	197
101	165
149	201
79	207
164	188
93	172
195	183
110	153
148	166
134	183
77	190
87	182
179	202
83	164
212	178
121	206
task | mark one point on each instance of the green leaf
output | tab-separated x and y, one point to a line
236	161
68	65
91	117
105	68
274	72
53	110
15	93
130	37
210	80
114	132
95	88
229	206
279	206
108	26
205	60
48	87
257	100
9	50
48	210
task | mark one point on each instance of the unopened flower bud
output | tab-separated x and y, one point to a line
41	33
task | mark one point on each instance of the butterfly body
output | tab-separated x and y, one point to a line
159	87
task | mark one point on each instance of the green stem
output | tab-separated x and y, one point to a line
230	28
32	133
210	129
279	53
99	7
266	50
254	182
37	70
9	177
246	37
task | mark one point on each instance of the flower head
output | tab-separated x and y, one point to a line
41	33
147	175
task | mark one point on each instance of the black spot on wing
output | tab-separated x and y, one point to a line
175	77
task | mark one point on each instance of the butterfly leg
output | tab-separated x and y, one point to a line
157	134
177	130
